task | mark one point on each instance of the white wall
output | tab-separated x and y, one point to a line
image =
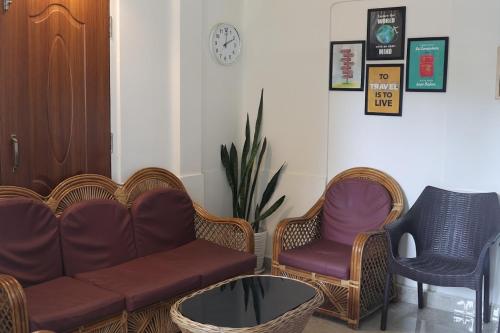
172	106
221	102
286	53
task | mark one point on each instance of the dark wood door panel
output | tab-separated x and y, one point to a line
64	79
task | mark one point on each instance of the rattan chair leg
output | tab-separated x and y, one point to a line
420	287
479	307
487	305
387	292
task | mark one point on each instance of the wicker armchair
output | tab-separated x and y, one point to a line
360	293
453	233
228	232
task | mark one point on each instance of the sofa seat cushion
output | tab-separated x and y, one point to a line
321	256
163	219
143	282
64	304
212	262
353	206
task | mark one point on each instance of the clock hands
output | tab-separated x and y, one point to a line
227	42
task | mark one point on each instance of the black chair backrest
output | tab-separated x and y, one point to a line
454	224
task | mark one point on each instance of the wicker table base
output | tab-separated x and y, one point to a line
293	321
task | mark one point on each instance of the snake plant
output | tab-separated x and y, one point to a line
242	175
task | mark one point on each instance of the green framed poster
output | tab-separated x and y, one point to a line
427	64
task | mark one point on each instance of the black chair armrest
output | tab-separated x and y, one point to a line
395	231
484	252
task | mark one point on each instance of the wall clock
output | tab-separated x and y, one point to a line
225	43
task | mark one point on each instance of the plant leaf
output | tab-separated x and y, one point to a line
256	176
233	164
258	121
271	209
271	186
246	146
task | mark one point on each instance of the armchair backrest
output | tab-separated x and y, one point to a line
454	224
359	200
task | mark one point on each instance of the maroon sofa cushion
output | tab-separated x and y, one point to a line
321	256
353	206
96	234
163	219
212	262
64	304
29	241
143	282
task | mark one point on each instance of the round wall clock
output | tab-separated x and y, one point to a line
225	43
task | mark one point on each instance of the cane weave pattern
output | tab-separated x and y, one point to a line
6	313
373	274
79	194
117	324
300	234
224	234
153	319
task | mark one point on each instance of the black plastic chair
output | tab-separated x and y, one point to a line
453	233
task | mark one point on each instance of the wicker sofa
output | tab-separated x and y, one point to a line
99	257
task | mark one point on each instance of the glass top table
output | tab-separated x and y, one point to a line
255	303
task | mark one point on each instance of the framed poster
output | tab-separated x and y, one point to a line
383	94
347	65
498	74
427	64
386	33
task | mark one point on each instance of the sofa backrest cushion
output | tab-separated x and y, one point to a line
29	241
353	206
163	219
96	234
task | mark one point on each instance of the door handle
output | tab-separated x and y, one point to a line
15	152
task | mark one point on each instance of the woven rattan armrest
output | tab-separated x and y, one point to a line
369	248
13	310
298	231
236	234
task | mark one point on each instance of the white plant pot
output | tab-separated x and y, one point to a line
260	249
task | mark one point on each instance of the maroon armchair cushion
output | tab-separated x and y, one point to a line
163	219
64	304
96	234
353	206
321	256
29	241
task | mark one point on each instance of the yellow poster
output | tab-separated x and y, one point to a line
383	90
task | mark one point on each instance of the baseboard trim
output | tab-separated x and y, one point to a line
461	306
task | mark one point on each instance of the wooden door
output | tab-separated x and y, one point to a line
54	91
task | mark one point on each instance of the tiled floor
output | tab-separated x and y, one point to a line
405	318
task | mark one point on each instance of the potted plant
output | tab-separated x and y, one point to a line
242	178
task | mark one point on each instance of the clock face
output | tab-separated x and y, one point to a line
225	43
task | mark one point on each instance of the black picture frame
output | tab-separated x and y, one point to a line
361	66
367	89
385	50
443	64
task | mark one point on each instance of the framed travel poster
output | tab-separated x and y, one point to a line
347	65
383	94
427	64
386	33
